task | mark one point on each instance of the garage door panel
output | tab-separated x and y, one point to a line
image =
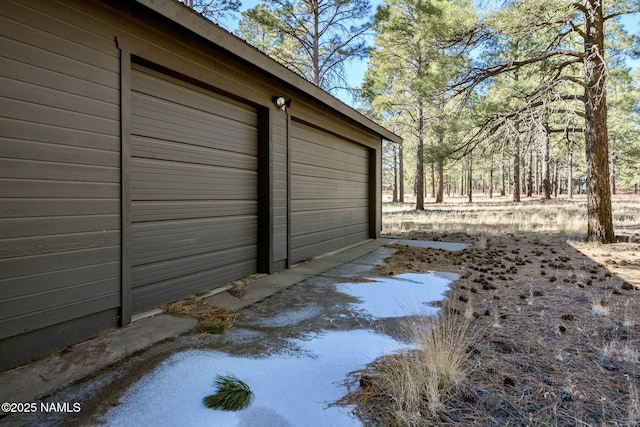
352	174
183	94
300	205
154	242
160	174
193	187
190	209
336	160
160	121
152	273
310	245
329	192
161	181
310	188
173	289
307	138
149	148
329	219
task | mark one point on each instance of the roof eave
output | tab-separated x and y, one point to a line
187	18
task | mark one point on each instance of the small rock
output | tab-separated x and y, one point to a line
566	396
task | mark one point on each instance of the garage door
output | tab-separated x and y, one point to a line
193	172
329	192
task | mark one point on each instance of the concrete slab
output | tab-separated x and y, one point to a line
270	284
349	271
375	258
449	246
30	382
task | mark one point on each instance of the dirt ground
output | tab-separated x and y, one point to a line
558	322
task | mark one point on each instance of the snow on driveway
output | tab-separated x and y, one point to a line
293	388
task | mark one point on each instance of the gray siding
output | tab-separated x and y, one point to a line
329	192
59	178
194	206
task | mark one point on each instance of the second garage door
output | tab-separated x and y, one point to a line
329	192
194	213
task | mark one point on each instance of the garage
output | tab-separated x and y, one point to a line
193	185
329	192
148	156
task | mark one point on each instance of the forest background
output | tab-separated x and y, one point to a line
515	97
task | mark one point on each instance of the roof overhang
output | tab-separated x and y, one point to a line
194	22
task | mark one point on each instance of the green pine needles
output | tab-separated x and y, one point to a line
232	394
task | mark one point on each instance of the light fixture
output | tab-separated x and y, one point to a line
281	102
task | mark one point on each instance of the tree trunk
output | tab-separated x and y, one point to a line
440	189
470	178
433	181
401	178
420	164
516	170
503	187
599	214
395	175
613	175
555	178
315	54
530	174
546	167
570	176
491	178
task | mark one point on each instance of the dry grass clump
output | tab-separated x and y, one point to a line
210	319
238	288
239	291
412	388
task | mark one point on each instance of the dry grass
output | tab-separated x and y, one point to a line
560	322
500	215
406	388
238	288
196	306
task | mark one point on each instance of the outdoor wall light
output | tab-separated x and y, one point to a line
281	102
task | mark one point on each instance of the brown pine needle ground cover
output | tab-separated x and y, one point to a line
553	334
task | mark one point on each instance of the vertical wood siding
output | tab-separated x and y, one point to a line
329	192
59	176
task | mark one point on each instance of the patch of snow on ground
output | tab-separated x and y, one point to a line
401	295
287	390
